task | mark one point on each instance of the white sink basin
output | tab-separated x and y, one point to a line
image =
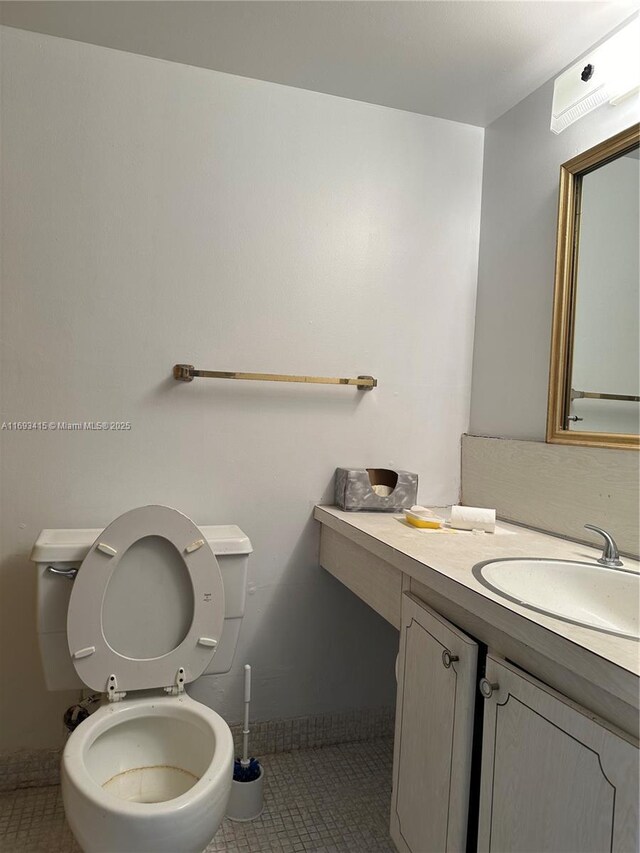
581	593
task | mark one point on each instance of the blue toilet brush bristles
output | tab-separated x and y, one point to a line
246	769
246	773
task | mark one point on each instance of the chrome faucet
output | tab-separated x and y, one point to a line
610	555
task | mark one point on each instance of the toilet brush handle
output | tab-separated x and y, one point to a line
245	730
247	683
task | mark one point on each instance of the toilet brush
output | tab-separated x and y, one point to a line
246	769
245	802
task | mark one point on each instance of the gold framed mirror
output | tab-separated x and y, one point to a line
594	379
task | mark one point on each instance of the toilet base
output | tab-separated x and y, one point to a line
126	838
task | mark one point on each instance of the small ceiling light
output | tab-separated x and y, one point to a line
610	73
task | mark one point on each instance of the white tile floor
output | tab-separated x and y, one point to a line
332	799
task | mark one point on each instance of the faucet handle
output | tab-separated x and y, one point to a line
610	556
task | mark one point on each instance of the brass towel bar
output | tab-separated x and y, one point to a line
593	395
187	372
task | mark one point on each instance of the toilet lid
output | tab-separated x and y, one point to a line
147	605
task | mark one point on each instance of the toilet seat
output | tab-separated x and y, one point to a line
99	665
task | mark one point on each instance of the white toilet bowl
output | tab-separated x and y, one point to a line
148	774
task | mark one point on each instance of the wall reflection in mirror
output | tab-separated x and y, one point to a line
595	369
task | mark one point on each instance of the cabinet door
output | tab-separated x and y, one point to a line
437	668
553	778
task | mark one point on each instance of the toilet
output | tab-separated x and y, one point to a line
137	611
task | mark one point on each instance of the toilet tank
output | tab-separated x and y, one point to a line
66	549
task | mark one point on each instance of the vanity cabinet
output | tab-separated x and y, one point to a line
553	778
437	677
527	768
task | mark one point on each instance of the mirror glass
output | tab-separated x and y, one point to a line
605	367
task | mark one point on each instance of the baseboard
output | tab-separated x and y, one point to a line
312	732
29	768
38	768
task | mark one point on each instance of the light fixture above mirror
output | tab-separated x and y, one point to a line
607	74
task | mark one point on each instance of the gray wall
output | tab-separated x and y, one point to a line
156	213
522	161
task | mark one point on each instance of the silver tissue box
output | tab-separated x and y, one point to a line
375	489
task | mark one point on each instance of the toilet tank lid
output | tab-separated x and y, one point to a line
72	545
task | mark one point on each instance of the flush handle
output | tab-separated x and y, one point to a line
69	574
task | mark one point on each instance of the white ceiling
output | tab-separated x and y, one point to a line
465	60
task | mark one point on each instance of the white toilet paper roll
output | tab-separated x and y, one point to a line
473	518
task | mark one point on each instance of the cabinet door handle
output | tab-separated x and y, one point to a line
487	687
448	658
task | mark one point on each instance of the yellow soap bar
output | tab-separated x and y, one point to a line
422	522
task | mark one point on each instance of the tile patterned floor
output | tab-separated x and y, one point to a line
325	800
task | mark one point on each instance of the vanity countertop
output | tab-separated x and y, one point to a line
443	560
